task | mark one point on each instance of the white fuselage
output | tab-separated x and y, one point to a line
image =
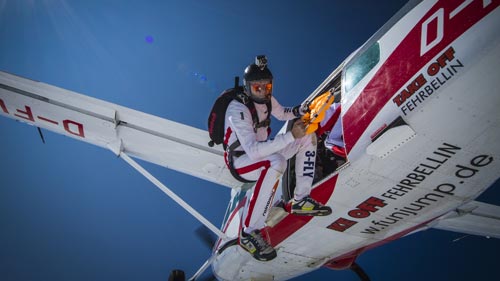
437	75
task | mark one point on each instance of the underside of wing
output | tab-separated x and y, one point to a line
475	218
120	129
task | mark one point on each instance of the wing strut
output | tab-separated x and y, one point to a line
172	195
203	267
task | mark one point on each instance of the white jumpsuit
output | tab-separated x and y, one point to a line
264	160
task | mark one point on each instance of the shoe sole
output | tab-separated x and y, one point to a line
272	256
311	213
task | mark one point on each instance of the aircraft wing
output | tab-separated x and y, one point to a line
147	137
474	218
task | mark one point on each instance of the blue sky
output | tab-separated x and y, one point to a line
71	211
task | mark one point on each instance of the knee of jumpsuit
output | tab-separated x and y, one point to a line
278	162
309	140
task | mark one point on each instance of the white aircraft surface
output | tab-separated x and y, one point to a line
420	125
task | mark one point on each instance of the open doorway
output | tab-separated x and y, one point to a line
330	153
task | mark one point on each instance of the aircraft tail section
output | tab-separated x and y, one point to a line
475	218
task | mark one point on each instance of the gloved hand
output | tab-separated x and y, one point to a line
298	129
301	109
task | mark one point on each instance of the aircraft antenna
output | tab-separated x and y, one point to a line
41	134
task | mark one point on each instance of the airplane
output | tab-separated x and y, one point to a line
405	95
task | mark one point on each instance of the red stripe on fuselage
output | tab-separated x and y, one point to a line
292	223
240	205
406	61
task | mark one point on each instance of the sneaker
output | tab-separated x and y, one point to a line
309	207
257	246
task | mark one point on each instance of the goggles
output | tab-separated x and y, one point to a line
260	86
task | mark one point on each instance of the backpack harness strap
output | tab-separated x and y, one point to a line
230	149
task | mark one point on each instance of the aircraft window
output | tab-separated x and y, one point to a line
357	70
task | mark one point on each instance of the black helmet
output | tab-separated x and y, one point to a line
254	72
258	70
